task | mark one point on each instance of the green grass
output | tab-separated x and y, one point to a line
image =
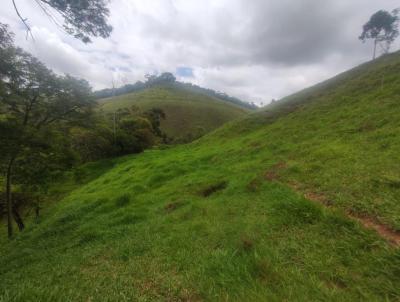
186	112
218	220
341	138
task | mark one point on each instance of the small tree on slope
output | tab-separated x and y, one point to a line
382	29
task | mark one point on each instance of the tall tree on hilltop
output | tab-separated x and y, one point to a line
382	28
82	19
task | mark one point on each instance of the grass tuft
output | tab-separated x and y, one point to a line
209	190
123	200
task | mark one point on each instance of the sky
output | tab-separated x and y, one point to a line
256	50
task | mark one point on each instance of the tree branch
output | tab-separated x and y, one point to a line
28	28
49	14
47	120
28	109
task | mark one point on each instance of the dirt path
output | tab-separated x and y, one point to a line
386	232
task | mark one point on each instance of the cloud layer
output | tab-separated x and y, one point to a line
256	50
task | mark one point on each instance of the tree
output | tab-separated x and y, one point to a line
43	156
164	78
32	100
155	115
6	37
82	19
167	77
382	28
93	143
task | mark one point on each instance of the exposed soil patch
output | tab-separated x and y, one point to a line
172	206
213	188
386	232
254	185
335	284
318	197
273	173
246	244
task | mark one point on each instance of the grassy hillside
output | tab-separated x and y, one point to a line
186	112
260	210
342	139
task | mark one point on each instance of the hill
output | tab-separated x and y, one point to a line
188	114
341	136
283	205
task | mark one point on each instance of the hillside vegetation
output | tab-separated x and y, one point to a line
188	114
341	138
262	209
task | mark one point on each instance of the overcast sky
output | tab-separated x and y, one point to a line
256	50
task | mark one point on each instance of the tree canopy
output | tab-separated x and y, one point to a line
382	28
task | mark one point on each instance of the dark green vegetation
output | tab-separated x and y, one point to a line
224	218
188	114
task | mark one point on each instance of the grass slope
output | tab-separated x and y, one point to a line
186	112
218	220
341	139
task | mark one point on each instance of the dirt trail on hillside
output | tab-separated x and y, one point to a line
386	232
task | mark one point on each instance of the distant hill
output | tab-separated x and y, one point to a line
168	79
189	114
298	202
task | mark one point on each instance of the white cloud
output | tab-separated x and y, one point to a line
256	50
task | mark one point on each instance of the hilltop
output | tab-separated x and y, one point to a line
276	206
189	114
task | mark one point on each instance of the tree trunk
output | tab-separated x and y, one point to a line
375	44
18	218
9	198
